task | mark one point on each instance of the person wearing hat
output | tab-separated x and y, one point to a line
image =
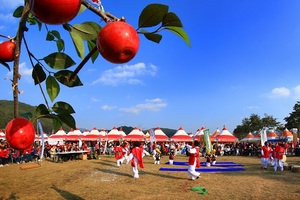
194	161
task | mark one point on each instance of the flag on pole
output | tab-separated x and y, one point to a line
263	136
43	138
207	141
152	138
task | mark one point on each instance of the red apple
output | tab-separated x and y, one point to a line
55	11
20	133
7	51
118	42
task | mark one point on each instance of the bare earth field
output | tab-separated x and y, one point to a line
101	179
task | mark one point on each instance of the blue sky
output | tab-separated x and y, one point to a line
244	59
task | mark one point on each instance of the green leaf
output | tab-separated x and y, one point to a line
60	43
180	32
171	19
87	30
63	77
154	37
38	74
41	110
91	45
49	36
57	123
61	107
18	12
82	8
56	34
68	120
5	65
78	43
59	61
152	15
52	87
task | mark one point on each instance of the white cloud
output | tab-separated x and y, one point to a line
107	107
126	74
95	99
252	107
279	92
24	72
153	105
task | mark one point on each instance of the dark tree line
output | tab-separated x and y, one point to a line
255	123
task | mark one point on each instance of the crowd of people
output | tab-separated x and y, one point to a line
127	152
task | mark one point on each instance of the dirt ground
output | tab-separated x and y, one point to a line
102	179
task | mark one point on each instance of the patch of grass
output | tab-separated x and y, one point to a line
102	179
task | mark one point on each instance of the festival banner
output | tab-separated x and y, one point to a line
152	137
207	141
43	139
263	137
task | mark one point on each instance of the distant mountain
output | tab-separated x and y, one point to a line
7	113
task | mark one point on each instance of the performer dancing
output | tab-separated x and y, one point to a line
136	157
194	161
265	155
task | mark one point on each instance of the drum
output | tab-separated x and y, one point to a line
296	168
283	158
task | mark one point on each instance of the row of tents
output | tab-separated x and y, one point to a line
285	135
158	135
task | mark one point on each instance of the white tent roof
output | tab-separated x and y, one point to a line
158	131
136	131
60	132
86	131
113	131
121	132
201	131
94	131
2	134
225	132
102	132
180	131
77	132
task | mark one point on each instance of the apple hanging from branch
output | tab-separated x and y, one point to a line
118	42
20	133
55	12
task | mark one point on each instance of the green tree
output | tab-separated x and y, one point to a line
255	123
293	120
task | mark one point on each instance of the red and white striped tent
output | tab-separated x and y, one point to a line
86	131
74	135
181	136
121	132
59	136
135	135
160	136
226	137
114	134
93	135
2	135
216	133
